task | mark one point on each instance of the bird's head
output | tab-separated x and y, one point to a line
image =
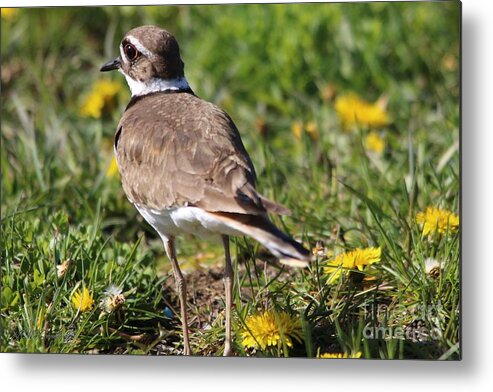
150	61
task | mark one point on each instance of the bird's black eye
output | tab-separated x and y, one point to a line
131	53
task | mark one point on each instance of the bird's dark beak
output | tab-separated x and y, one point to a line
111	65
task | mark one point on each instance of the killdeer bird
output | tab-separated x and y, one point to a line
183	165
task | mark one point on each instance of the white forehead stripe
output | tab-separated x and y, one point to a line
138	45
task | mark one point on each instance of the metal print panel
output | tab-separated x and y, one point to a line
263	180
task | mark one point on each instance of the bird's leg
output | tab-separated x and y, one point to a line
181	287
228	284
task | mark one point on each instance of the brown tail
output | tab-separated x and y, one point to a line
264	231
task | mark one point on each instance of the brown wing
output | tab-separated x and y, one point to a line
176	149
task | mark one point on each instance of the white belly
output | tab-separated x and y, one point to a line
190	220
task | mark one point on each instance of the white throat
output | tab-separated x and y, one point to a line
155	84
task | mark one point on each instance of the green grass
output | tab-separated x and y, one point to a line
264	64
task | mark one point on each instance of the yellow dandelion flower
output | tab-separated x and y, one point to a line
112	170
352	110
297	129
100	98
366	256
374	143
82	300
435	220
312	130
340	355
9	13
357	258
271	328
